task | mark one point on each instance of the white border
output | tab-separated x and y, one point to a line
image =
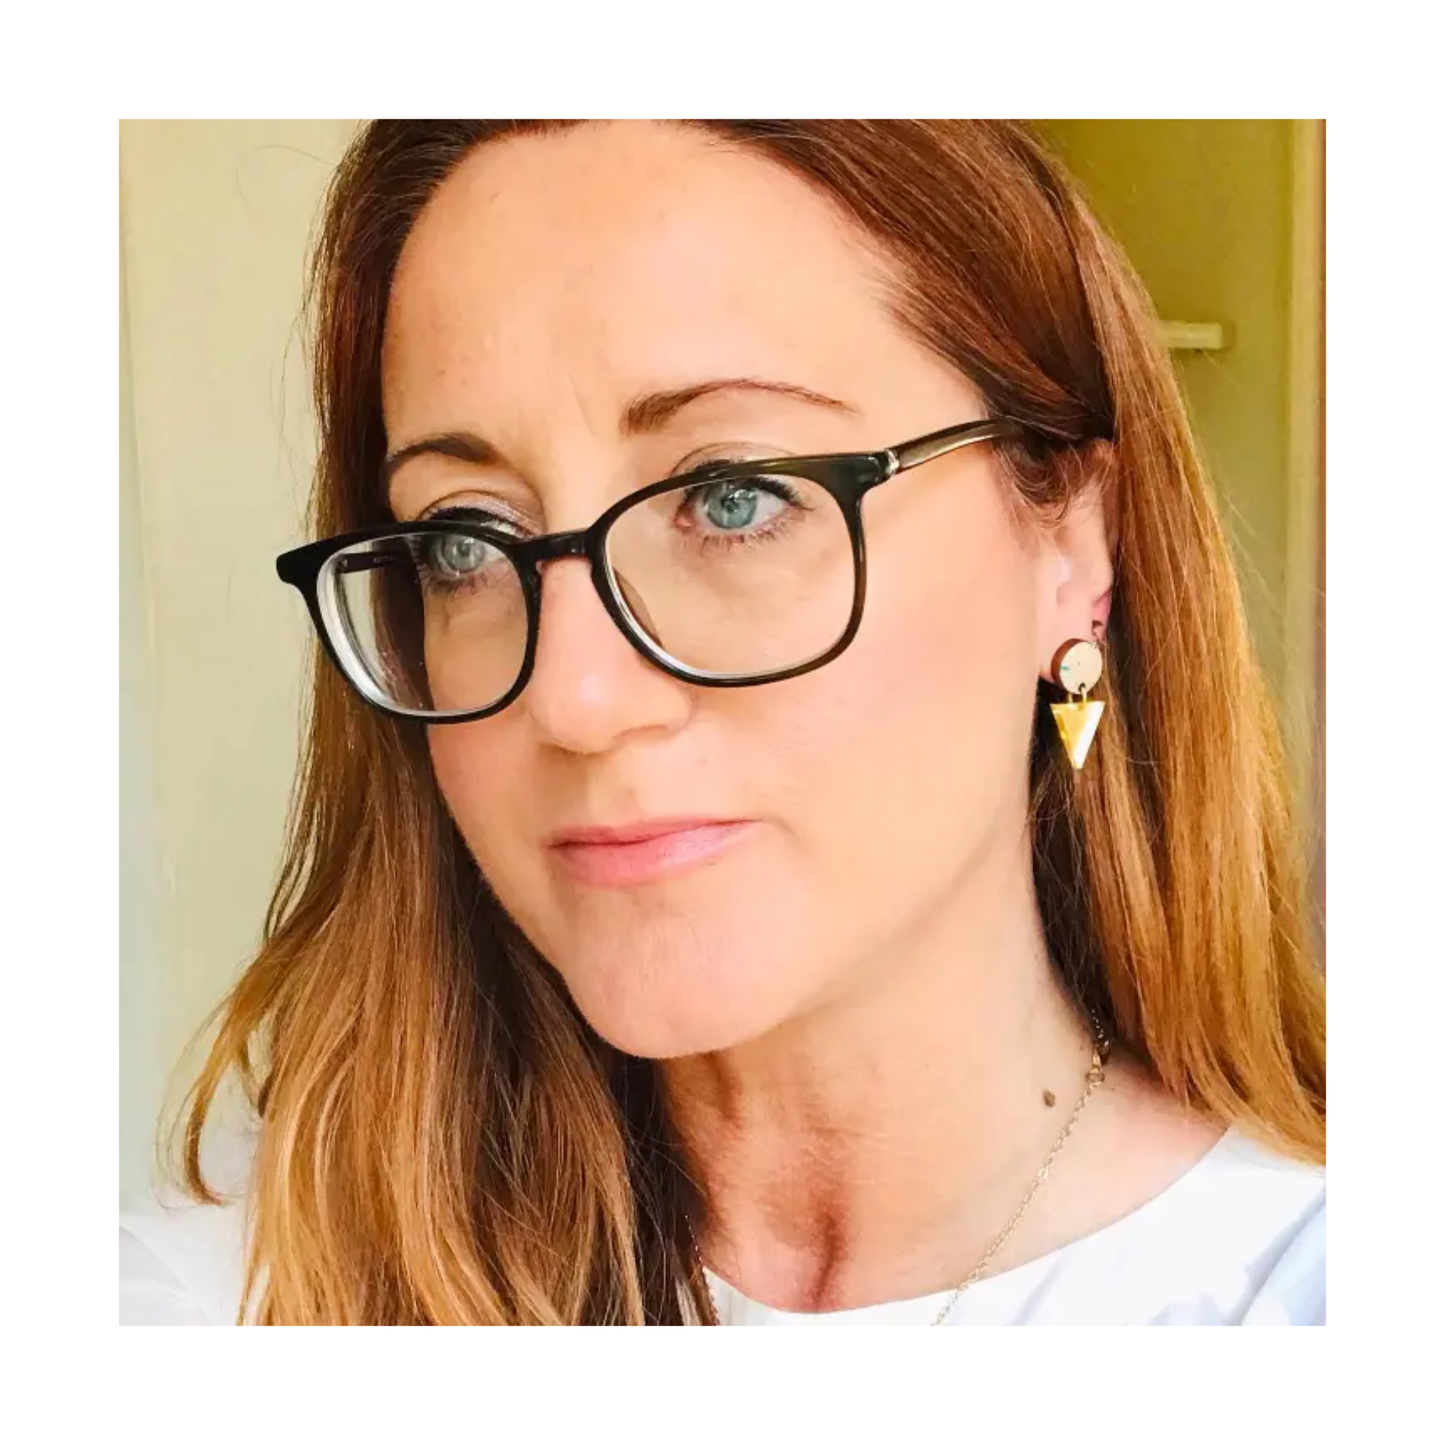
1385	522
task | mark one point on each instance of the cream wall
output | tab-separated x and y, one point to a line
216	445
1224	221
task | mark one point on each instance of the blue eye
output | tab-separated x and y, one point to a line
730	507
455	556
739	506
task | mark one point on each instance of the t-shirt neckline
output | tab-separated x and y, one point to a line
1168	1197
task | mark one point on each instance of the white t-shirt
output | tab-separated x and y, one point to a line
1239	1239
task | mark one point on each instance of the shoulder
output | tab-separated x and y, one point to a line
1242	1239
1238	1239
182	1263
1239	1231
1291	1288
1285	1200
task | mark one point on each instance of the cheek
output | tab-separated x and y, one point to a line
955	647
930	710
480	774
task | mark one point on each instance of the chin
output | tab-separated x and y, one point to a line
686	1007
648	1037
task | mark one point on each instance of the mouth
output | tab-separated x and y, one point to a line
644	852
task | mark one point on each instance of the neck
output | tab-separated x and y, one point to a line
871	1147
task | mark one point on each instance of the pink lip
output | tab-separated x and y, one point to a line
643	852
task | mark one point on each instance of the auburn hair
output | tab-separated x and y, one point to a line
442	1139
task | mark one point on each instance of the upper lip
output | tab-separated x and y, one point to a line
632	832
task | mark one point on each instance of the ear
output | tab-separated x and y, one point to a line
1076	575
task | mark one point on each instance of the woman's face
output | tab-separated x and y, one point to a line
551	283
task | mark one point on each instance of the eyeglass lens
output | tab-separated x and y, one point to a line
731	579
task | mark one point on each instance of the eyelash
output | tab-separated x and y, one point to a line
478	515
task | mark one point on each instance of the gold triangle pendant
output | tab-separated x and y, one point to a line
1078	722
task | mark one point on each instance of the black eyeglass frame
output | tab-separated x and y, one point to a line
846	476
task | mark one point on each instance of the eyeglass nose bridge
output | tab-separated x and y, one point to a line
553	546
624	607
532	554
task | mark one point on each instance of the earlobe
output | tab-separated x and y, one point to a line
1080	579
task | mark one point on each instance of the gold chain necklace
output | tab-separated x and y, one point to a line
1092	1080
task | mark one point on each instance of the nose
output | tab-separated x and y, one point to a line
589	687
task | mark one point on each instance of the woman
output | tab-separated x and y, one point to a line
792	829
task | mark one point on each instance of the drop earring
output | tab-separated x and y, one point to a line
1078	666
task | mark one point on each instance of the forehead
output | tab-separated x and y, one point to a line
587	265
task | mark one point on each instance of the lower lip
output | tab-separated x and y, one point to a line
623	865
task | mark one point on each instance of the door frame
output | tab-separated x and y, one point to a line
1304	680
1304	549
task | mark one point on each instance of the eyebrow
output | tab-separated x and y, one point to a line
646	414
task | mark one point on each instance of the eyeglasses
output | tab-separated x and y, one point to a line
730	575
